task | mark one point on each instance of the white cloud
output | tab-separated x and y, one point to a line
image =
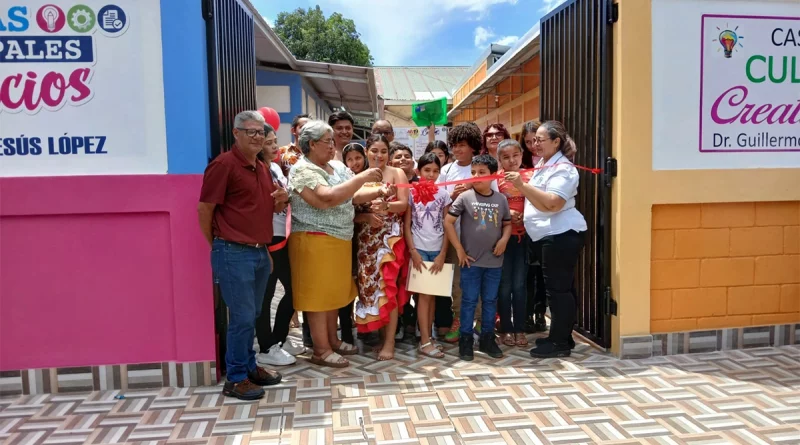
395	30
507	40
269	21
482	35
486	35
549	5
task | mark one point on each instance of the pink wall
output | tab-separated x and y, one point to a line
100	270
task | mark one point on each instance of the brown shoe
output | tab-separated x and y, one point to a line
244	390
262	377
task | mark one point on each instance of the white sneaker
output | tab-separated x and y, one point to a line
293	349
275	357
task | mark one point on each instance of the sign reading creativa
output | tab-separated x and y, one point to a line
750	84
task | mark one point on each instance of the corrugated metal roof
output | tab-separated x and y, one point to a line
414	83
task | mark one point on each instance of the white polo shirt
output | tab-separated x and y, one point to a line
561	180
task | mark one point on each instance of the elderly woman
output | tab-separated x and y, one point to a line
323	192
557	229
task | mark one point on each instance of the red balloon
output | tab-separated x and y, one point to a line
271	116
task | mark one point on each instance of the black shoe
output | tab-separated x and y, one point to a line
551	350
465	345
244	390
539	323
262	377
488	345
544	340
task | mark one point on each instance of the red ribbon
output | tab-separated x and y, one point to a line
425	191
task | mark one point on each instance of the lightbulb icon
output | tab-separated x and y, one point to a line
50	14
728	41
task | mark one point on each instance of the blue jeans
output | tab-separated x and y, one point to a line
513	293
479	283
428	255
242	273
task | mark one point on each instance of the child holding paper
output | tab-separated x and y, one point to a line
485	231
424	233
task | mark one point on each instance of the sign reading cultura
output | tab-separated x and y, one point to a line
749	84
76	81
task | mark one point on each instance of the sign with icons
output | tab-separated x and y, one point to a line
417	138
727	94
81	88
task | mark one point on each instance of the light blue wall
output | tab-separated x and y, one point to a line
293	81
183	37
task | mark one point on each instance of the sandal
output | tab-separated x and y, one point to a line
347	349
521	339
332	360
508	339
435	353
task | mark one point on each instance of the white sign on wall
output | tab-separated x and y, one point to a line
417	138
726	87
81	88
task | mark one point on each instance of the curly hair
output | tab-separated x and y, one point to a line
500	128
466	132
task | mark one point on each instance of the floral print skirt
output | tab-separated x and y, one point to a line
382	273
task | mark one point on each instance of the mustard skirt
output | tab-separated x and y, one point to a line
322	272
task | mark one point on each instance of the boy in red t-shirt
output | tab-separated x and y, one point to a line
512	295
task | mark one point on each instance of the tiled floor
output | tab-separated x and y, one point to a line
738	397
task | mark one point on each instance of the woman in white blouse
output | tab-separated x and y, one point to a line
557	229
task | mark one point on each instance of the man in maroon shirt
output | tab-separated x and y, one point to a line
237	201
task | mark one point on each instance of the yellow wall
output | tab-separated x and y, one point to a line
638	188
724	265
512	110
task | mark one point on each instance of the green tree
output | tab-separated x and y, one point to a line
310	36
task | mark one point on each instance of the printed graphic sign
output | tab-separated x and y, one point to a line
750	84
726	88
417	138
81	89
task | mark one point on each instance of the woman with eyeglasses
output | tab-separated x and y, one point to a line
537	298
492	135
557	230
323	193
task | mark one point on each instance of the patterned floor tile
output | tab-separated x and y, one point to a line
742	397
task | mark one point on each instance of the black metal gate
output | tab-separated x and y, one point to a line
576	90
232	89
231	67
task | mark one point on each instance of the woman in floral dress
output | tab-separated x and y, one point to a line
382	255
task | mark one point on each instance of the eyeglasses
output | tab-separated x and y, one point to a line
329	141
382	133
540	140
252	133
494	135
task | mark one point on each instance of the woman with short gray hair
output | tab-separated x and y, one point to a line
323	192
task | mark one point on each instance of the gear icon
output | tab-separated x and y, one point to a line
81	18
